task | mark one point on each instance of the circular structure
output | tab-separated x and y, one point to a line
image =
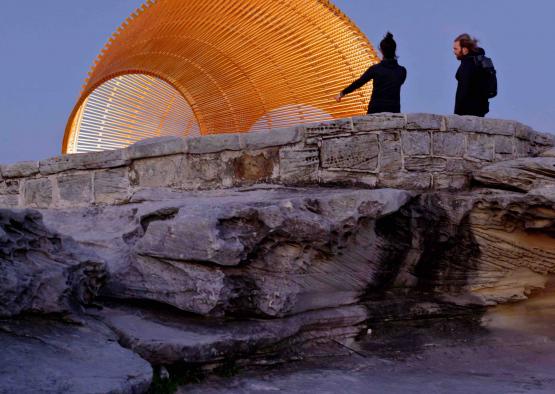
221	66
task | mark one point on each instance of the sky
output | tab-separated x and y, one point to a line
47	48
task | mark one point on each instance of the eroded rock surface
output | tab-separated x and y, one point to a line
41	356
522	174
42	271
267	252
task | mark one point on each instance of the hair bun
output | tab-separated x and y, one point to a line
389	36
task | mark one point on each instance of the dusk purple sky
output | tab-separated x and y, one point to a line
47	48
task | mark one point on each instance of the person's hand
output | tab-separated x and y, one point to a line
338	97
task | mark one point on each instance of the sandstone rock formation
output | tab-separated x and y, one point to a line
267	246
42	271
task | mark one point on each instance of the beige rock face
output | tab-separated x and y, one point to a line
522	174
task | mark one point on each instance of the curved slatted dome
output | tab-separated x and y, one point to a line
201	67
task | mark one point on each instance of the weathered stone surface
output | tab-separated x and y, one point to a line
348	179
20	170
405	180
420	357
464	123
418	121
425	164
75	189
449	144
41	271
390	156
521	174
9	201
548	153
111	186
377	122
498	127
450	182
357	152
154	147
156	171
267	139
37	193
504	144
480	146
213	143
323	129
201	172
482	247
256	167
416	142
163	338
298	166
9	187
269	252
84	161
40	356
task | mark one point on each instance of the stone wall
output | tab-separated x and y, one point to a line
412	151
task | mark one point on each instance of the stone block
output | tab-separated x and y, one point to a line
84	161
462	166
154	147
523	148
390	158
504	144
75	189
405	180
298	166
450	182
196	172
416	142
9	201
480	146
268	139
419	121
9	187
464	123
425	164
498	126
450	144
213	143
255	167
356	152
523	132
112	186
37	193
379	122
20	170
329	128
156	171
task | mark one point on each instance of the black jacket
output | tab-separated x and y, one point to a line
388	77
471	96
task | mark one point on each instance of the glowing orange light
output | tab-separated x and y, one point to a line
219	66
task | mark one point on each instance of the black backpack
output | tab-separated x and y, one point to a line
490	75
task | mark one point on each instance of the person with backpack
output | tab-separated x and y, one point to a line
476	76
388	77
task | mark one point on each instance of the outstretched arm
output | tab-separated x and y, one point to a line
363	80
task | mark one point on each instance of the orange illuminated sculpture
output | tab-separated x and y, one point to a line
200	67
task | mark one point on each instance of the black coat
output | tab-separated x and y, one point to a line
471	98
388	78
